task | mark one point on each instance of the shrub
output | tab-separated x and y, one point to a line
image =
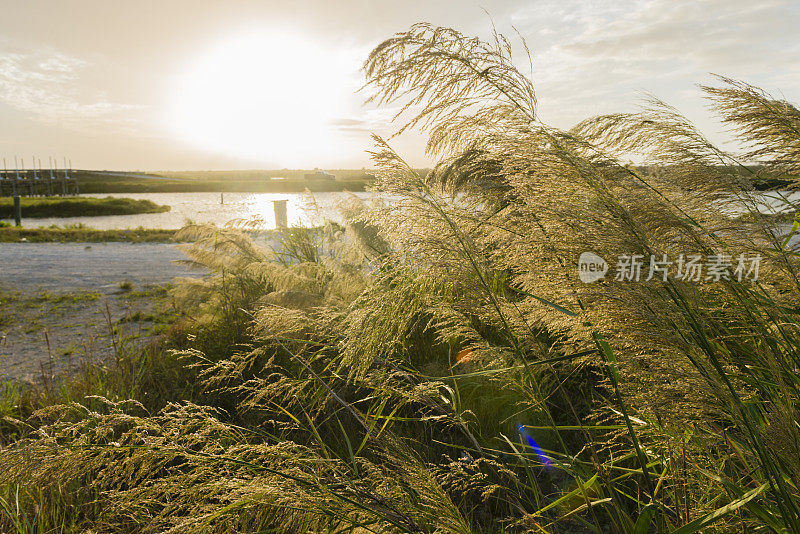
436	366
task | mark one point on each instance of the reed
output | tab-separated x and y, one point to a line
435	365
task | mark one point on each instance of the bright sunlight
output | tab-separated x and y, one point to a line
267	96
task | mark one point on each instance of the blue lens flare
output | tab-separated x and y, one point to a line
533	445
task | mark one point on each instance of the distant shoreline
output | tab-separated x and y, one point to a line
275	181
220	186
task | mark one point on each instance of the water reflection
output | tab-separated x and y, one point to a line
206	208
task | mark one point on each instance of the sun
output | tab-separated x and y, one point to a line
270	96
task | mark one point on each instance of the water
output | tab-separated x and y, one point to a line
206	208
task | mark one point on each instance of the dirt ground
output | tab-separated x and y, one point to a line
63	304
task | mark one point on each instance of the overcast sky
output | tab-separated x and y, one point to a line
195	84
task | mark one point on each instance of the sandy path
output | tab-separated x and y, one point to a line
34	267
60	302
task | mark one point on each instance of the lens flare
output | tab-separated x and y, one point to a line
533	445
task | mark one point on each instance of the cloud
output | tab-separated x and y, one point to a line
594	56
589	56
47	86
368	121
348	125
696	33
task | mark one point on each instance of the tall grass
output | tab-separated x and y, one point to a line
43	207
436	366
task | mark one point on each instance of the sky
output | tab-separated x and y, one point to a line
197	84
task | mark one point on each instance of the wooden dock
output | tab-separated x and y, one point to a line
40	183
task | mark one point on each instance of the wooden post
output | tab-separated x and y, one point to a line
74	178
48	182
16	174
280	213
66	177
17	211
25	174
50	170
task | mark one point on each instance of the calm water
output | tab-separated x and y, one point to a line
206	208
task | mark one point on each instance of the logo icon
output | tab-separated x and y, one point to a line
591	267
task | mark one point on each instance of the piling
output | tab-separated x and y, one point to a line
17	211
280	213
36	181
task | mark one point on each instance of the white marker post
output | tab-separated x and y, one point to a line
280	213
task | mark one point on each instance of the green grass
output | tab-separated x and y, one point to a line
84	234
72	297
46	207
126	286
435	366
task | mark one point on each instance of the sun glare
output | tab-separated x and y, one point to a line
267	96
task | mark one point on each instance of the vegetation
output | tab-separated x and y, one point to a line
339	175
437	366
283	181
70	297
81	233
45	207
